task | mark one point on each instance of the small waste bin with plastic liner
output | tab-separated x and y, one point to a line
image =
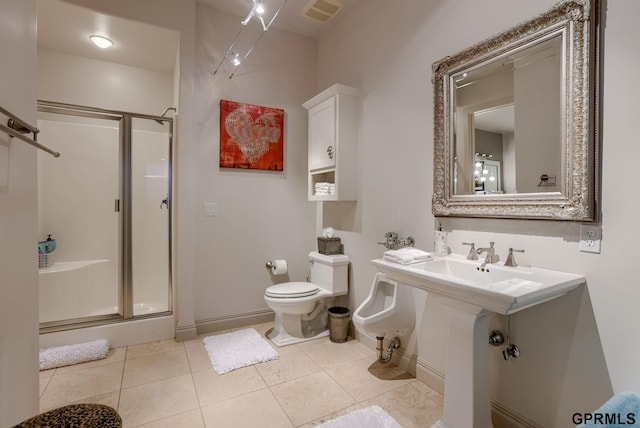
339	324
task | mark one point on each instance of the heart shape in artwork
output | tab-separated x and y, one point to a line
253	137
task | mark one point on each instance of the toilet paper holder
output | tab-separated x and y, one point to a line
277	267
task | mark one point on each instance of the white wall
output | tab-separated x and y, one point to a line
76	80
577	350
263	215
18	219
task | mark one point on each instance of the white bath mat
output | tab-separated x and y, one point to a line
242	348
370	417
59	356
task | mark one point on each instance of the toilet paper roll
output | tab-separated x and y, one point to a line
279	267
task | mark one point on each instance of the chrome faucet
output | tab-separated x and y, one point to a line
472	251
394	243
492	257
511	260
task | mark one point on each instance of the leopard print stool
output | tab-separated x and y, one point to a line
76	416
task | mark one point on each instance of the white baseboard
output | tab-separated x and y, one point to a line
430	376
236	321
503	417
186	333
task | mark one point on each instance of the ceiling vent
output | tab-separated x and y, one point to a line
322	10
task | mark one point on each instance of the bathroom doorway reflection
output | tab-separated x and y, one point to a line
106	201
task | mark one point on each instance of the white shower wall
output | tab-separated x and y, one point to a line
76	192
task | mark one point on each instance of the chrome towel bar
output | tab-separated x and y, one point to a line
16	127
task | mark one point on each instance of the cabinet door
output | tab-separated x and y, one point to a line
322	135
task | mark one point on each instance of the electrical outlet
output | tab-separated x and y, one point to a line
590	238
210	209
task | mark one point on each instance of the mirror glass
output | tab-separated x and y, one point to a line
491	102
514	121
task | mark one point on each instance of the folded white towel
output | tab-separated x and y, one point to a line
407	255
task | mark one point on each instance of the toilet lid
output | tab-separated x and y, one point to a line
292	289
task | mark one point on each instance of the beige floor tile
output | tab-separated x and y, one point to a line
364	380
115	355
311	397
328	354
47	373
212	387
191	419
288	349
431	393
69	387
151	368
43	385
173	384
198	340
330	416
157	400
151	348
408	406
198	358
256	409
109	399
261	328
289	366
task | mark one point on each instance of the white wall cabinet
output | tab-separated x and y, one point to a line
334	120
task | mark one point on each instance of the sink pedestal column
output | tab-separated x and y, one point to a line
466	396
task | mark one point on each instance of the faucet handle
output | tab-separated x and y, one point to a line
472	252
391	240
511	260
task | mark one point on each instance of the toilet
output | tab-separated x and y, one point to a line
388	309
301	307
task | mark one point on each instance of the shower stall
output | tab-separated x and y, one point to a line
107	202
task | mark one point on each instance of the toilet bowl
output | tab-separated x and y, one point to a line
388	309
301	307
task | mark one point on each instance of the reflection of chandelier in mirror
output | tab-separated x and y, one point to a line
258	12
481	173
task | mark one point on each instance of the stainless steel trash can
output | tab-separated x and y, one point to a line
339	324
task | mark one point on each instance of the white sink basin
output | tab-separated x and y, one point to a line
497	288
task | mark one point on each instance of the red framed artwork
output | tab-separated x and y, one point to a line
251	137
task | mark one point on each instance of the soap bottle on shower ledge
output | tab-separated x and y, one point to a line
440	246
48	246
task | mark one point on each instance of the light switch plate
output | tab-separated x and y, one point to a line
210	209
590	238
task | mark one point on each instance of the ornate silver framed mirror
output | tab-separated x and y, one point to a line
516	121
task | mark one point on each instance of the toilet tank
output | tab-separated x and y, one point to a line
330	272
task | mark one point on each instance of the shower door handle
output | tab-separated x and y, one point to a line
116	206
165	202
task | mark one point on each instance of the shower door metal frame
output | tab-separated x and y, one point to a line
123	205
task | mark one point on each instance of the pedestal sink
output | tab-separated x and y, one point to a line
471	294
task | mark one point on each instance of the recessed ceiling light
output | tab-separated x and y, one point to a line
101	42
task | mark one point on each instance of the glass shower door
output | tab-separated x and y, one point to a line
150	216
77	195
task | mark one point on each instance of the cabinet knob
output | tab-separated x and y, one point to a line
330	152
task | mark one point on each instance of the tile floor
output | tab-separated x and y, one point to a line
173	384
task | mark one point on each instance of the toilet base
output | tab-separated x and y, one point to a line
288	330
